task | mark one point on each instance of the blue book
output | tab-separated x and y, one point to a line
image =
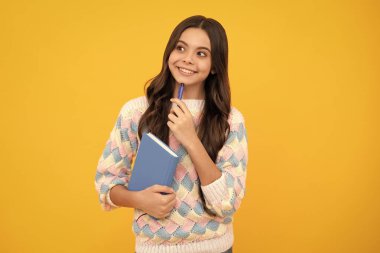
155	163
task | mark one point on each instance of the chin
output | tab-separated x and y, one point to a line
181	80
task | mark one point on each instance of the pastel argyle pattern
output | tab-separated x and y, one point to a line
188	222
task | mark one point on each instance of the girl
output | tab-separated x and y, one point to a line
195	215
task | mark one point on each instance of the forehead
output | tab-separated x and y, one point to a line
195	37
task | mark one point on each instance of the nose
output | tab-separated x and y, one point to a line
188	58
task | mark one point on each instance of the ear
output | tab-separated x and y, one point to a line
212	72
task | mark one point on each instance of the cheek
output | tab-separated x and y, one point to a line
170	64
172	58
206	66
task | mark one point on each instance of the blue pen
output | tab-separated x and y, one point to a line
180	91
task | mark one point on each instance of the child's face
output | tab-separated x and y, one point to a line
190	61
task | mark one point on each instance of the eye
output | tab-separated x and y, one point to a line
180	48
201	53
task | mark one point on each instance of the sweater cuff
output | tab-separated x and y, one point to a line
109	199
216	191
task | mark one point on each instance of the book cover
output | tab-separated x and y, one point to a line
155	164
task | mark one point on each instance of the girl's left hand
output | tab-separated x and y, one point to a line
181	123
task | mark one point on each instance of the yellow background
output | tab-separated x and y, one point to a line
305	74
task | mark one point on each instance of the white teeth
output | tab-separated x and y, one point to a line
186	71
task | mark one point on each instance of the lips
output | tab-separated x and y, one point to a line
186	71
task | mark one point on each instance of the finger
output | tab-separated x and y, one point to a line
172	203
177	110
170	125
175	113
172	196
169	198
181	105
161	188
172	118
168	208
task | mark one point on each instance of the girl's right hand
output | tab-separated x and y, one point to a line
156	204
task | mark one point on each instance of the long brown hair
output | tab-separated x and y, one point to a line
214	127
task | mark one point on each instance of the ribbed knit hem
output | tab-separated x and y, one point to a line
216	245
108	198
216	191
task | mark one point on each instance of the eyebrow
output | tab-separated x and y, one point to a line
197	47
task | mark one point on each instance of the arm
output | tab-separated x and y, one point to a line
114	171
224	195
149	200
223	183
114	166
205	167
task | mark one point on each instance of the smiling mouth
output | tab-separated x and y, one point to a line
186	71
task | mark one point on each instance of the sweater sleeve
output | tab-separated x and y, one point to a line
223	196
114	165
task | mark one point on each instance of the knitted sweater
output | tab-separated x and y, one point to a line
188	228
